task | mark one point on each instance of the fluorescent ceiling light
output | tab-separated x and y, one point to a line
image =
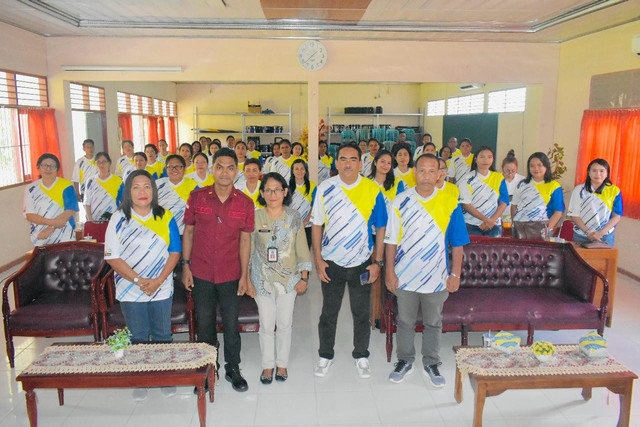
120	68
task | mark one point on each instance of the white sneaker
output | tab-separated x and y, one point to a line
140	394
323	367
168	391
362	365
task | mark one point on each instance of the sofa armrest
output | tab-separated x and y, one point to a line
27	283
580	278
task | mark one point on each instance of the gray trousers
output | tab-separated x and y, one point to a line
408	304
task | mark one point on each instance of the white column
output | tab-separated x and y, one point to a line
313	107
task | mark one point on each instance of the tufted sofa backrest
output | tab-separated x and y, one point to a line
70	267
512	263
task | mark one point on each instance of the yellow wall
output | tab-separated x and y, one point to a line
258	61
24	52
604	52
216	97
517	131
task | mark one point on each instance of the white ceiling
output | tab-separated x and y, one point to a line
464	20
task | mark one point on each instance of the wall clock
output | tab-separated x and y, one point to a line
312	55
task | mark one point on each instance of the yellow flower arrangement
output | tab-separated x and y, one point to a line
543	348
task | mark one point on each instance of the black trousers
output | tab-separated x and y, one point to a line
307	232
206	297
360	299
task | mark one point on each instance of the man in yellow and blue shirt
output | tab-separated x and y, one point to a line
423	223
348	206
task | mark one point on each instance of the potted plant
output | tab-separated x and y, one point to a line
120	340
556	154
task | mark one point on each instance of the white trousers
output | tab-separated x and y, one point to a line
275	313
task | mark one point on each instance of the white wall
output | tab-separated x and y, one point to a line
23	52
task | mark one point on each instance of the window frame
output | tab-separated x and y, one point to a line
104	98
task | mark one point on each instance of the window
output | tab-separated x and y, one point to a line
23	90
15	162
435	108
17	90
87	98
470	104
507	101
140	107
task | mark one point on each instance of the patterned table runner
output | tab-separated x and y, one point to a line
567	360
98	358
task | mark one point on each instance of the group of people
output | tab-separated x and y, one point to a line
396	215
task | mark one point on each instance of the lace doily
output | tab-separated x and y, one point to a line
98	358
568	360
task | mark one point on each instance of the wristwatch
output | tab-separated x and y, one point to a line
186	262
304	279
454	275
379	263
136	280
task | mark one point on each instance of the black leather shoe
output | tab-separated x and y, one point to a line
234	376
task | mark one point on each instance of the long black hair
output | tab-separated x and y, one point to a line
126	205
607	181
292	178
402	146
474	162
390	178
281	180
188	146
548	177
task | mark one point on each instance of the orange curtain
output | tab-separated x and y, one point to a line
161	134
172	134
126	129
152	127
43	135
613	135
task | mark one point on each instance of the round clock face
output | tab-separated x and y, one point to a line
312	55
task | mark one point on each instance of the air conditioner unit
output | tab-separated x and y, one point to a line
471	86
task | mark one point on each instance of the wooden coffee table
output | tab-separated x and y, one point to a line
160	378
485	386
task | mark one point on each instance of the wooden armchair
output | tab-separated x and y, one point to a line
52	293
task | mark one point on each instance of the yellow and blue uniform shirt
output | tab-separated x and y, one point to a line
302	201
459	166
253	196
190	169
49	202
325	166
157	170
595	209
423	229
367	163
123	164
282	166
409	177
145	244
451	189
348	213
484	193
256	155
82	171
209	180
390	194
537	201
174	197
103	196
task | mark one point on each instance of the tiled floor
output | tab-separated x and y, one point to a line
341	398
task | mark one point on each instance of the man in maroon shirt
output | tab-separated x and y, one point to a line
215	248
